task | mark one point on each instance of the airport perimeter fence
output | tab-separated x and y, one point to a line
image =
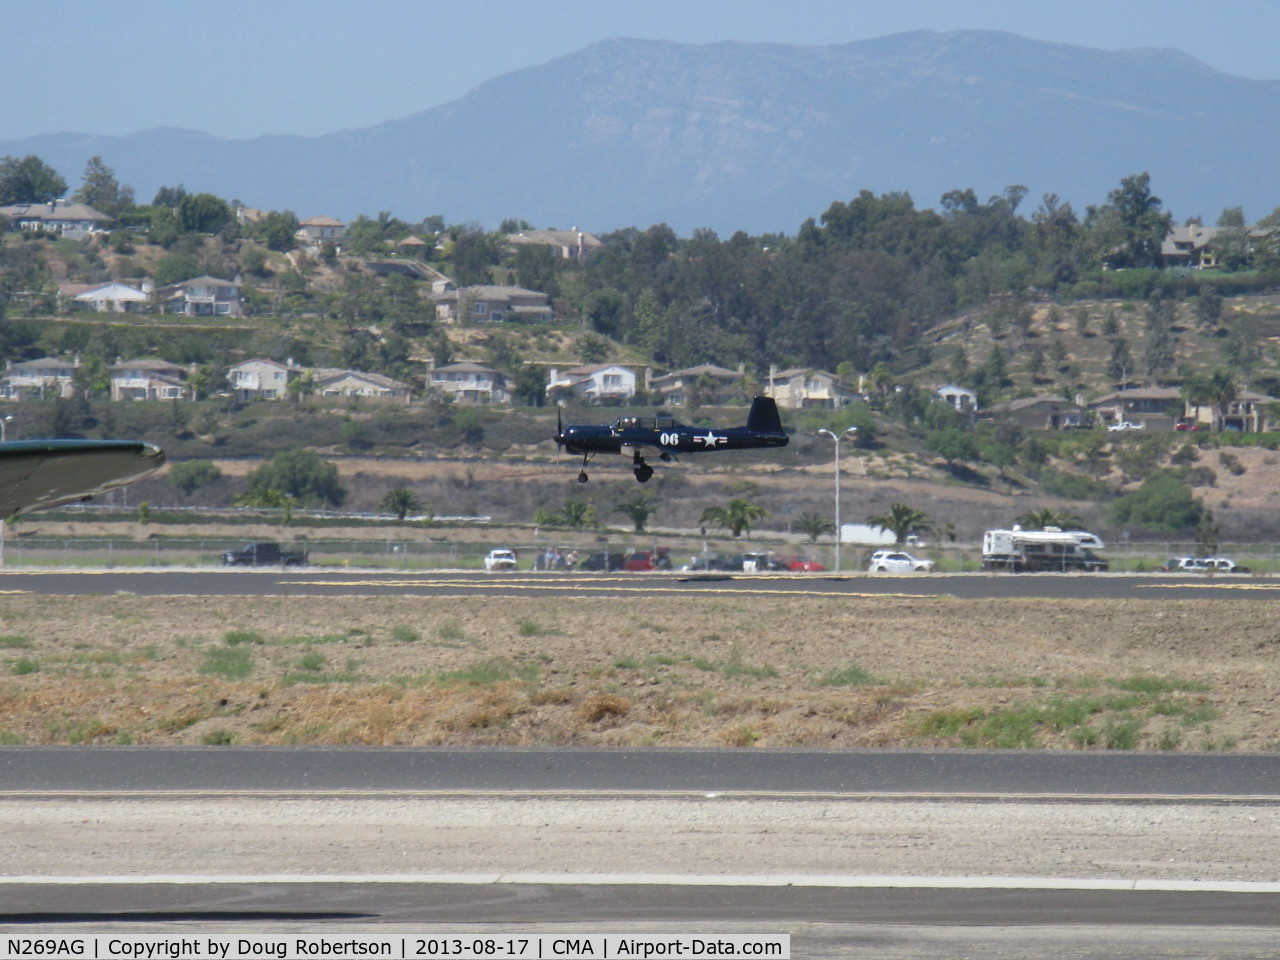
49	552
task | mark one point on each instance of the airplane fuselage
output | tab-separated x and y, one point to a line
664	435
669	438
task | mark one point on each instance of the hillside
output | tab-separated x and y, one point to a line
751	136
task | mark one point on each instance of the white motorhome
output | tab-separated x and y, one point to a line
1050	549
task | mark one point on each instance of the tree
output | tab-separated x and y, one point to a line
1160	340
815	525
1222	390
276	229
1048	517
401	502
300	473
1131	227
270	499
901	521
1162	503
102	191
190	475
1120	364
203	213
638	509
578	514
29	180
736	516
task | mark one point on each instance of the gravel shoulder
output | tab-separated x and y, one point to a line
703	836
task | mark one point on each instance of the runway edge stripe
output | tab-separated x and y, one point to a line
629	879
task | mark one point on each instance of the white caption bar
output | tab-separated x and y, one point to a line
425	946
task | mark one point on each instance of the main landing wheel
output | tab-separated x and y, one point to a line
582	477
643	473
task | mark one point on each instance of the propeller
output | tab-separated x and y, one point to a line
559	426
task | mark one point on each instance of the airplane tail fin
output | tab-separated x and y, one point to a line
764	416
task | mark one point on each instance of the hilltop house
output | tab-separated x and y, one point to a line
705	382
111	297
355	383
261	379
595	382
46	377
314	231
1041	413
148	380
467	382
803	387
75	221
492	304
568	244
1155	407
202	297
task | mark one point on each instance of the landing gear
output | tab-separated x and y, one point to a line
641	469
582	477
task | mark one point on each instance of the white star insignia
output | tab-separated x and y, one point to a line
710	439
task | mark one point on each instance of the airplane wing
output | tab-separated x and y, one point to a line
45	473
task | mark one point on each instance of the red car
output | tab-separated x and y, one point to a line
1189	425
799	564
644	560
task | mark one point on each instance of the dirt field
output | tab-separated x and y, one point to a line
707	671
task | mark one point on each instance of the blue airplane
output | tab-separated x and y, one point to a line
667	437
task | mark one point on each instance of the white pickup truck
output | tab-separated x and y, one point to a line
500	559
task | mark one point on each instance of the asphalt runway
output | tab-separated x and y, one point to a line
826	916
325	582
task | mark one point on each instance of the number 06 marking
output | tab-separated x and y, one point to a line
669	439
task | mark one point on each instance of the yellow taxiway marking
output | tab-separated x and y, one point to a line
1213	585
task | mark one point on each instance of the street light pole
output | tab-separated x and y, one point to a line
3	437
835	437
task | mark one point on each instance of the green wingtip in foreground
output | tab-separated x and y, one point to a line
45	473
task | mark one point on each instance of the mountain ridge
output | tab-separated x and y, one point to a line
758	137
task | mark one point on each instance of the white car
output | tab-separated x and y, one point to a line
1126	425
897	561
500	559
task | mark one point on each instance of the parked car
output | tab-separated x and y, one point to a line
1185	424
265	553
602	561
643	560
800	564
1126	425
726	563
763	562
1203	565
500	558
1184	564
898	561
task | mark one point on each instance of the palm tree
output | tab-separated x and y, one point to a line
736	516
901	521
1222	390
815	525
638	509
269	497
401	501
1048	517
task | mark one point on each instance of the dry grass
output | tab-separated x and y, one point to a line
705	671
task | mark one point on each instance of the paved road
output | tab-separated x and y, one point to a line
315	582
851	773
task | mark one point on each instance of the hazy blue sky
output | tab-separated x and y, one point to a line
241	68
